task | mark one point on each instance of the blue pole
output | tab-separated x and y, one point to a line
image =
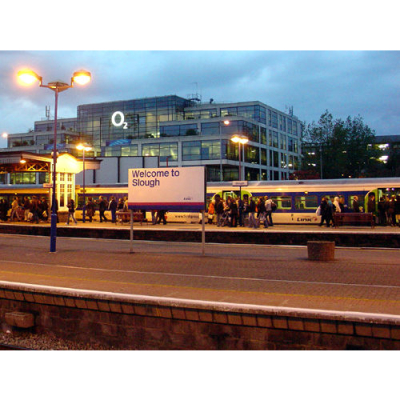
53	221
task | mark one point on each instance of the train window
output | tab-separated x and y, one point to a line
231	193
305	202
282	202
360	202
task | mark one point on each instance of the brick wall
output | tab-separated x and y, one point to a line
140	322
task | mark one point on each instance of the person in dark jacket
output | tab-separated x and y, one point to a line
262	212
219	209
113	208
233	211
102	209
382	211
71	211
90	209
326	212
252	210
356	206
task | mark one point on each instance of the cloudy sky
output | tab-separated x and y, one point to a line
347	82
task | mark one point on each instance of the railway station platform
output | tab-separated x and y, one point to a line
166	296
344	236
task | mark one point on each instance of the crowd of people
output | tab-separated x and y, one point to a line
24	209
249	212
388	209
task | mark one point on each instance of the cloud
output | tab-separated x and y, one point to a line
344	82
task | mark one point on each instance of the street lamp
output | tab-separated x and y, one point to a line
4	135
225	122
240	140
84	149
28	77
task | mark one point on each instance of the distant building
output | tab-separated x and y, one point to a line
181	132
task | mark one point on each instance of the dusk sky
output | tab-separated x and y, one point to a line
348	83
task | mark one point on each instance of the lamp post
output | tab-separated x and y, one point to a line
84	149
240	140
226	122
28	77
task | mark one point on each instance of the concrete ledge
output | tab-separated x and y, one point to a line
190	324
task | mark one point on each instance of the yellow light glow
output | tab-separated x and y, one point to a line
82	77
81	146
226	122
239	139
22	161
28	77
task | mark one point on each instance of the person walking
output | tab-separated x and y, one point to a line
71	211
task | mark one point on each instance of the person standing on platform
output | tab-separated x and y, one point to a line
90	209
268	210
356	206
219	209
161	216
102	209
252	211
71	211
113	208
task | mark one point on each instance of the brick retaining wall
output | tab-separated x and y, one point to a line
141	322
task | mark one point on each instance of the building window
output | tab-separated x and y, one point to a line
275	140
162	150
274	119
129	151
263	135
210	150
23	178
210	128
191	151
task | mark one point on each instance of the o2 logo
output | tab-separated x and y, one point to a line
118	119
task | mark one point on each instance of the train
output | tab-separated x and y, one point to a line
296	200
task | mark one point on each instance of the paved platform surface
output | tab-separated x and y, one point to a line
358	280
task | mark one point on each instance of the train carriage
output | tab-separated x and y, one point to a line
296	201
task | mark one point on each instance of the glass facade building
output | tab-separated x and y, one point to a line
183	132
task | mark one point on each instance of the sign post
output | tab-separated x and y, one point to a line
168	189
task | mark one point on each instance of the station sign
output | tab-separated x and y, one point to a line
170	189
240	183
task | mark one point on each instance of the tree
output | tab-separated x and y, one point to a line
337	148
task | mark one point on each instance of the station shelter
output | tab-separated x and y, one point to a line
20	170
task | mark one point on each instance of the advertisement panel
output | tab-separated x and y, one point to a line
170	189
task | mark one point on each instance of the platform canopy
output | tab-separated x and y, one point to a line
22	161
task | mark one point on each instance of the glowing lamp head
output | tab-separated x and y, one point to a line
81	146
239	139
81	77
28	77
